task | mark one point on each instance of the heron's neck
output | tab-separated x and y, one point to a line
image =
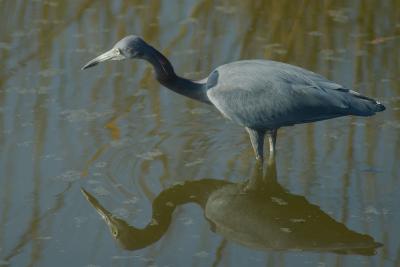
165	74
152	232
164	205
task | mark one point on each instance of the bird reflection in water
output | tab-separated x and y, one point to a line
258	213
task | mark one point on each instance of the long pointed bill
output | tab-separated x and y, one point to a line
113	54
105	214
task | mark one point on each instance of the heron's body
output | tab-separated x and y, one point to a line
261	95
266	95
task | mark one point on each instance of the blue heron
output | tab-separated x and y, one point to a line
260	95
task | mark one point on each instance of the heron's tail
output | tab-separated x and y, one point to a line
379	106
363	105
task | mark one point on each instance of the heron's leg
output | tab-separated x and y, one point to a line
254	181
272	141
257	141
270	174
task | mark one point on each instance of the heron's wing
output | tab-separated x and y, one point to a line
264	94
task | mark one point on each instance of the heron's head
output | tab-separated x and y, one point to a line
128	237
131	46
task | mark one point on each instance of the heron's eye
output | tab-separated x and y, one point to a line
117	51
139	54
129	51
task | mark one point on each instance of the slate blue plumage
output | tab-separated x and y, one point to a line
260	95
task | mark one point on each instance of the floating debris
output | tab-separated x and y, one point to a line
285	230
371	210
119	142
228	9
69	176
340	15
298	220
100	164
131	201
329	54
79	221
202	254
24	144
193	163
315	33
279	201
380	40
43	238
118	257
187	220
151	155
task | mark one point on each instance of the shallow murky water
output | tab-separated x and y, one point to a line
139	149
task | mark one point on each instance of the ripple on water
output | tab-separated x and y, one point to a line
23	90
120	142
332	55
121	213
78	115
199	111
5	46
80	220
4	263
131	201
47	73
101	191
391	124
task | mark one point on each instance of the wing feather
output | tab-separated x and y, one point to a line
263	94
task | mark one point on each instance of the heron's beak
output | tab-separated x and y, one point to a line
113	54
113	223
105	214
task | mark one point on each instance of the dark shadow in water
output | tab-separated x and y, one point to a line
259	214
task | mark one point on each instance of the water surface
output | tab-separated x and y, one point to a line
116	132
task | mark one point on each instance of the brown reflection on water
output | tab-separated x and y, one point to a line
118	133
